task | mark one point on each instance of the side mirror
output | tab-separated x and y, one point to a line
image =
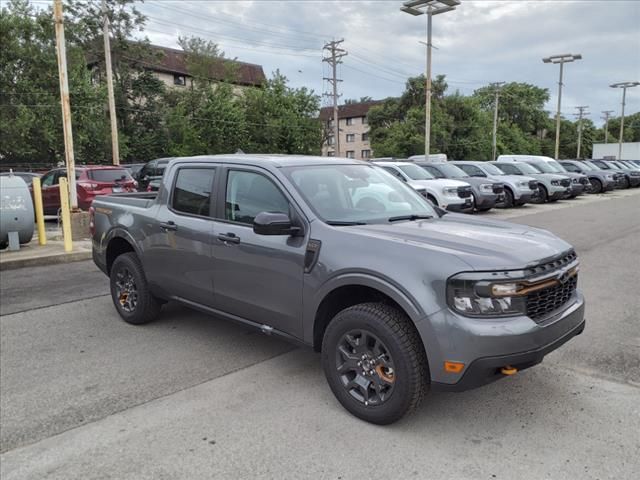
267	223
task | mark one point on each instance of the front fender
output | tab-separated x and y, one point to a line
360	278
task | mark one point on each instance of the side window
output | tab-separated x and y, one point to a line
249	193
192	191
394	172
474	171
47	180
433	171
510	169
570	167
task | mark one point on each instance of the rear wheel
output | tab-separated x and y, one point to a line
596	185
130	292
375	363
626	183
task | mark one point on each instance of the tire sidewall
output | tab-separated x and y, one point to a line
398	403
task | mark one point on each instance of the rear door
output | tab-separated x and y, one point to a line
257	277
178	258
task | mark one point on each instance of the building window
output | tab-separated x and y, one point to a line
351	154
364	120
351	137
331	140
350	121
331	154
365	137
180	80
366	154
330	123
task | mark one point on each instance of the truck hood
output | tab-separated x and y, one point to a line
550	176
480	243
439	183
512	178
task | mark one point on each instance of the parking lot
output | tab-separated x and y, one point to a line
85	395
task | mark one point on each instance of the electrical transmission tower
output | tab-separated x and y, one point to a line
607	114
496	86
335	53
581	113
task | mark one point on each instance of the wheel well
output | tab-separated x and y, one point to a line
117	246
341	298
432	199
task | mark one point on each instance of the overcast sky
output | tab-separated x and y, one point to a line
481	42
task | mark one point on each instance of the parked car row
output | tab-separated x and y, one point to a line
510	181
463	186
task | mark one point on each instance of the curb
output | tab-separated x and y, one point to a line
58	258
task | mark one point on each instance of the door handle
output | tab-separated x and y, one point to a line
229	238
170	225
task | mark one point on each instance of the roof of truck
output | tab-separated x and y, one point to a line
274	160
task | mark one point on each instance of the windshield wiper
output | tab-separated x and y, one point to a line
410	217
339	223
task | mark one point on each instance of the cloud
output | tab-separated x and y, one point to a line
480	42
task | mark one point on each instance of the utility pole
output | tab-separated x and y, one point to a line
623	86
115	149
607	114
561	59
334	58
430	8
497	86
580	114
64	100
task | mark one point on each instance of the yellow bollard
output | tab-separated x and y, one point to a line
66	214
37	200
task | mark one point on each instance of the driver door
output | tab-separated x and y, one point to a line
257	277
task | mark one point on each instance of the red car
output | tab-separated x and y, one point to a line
90	181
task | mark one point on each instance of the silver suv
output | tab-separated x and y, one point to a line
551	187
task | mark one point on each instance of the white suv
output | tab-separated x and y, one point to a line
453	195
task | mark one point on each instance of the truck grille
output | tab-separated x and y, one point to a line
543	302
565	182
533	185
565	259
498	188
464	192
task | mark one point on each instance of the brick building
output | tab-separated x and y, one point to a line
354	130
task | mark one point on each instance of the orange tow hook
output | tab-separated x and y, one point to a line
508	370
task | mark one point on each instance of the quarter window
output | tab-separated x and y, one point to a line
250	193
192	191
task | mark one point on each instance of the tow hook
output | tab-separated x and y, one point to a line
508	370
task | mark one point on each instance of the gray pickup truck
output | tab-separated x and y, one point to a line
399	296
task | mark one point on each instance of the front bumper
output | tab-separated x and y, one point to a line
486	200
634	181
524	198
485	345
465	206
576	189
560	193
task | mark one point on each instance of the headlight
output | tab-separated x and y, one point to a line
523	184
473	297
555	183
451	191
609	177
575	180
486	188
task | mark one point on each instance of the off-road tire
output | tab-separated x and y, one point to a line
147	306
403	342
596	186
543	195
509	201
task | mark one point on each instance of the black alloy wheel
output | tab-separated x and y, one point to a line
596	185
126	290
365	367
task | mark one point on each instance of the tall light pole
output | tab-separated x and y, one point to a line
623	86
581	113
607	114
561	59
496	86
430	8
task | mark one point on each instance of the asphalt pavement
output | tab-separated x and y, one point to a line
84	395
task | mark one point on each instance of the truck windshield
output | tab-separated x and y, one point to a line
414	172
356	194
543	167
592	166
451	171
526	169
558	168
491	169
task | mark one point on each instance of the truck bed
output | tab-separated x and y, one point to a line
138	199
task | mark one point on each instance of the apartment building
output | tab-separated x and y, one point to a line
170	66
353	130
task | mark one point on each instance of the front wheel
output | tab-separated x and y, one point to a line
375	363
596	185
508	199
543	195
130	292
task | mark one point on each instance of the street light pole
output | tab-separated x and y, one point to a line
607	114
623	86
496	86
430	8
561	59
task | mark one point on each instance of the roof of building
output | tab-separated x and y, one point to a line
175	61
349	110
